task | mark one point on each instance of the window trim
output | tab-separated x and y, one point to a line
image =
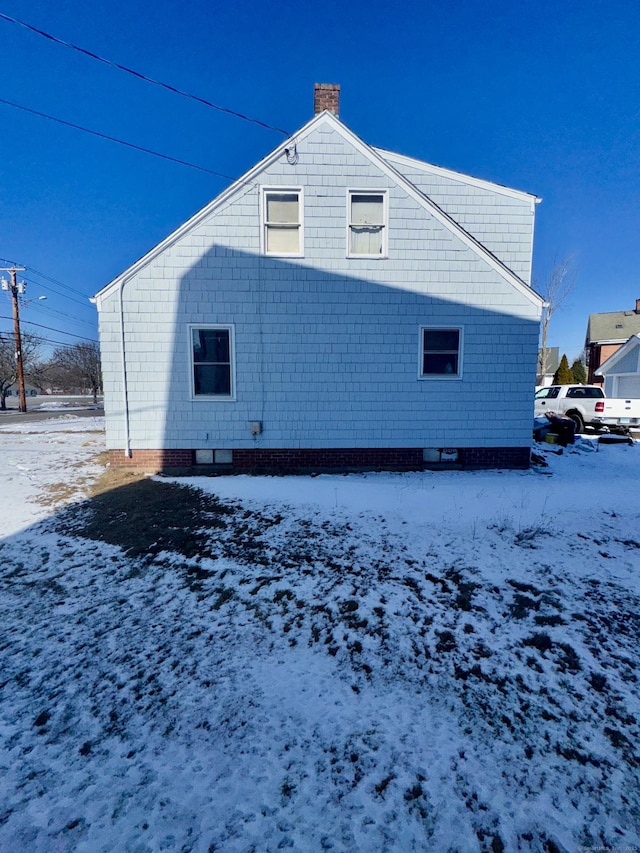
447	377
212	398
264	192
385	224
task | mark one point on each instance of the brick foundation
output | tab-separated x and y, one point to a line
372	458
152	460
327	459
495	457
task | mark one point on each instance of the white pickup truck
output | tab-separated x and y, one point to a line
587	405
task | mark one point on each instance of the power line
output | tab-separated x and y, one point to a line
43	308
83	296
41	286
144	77
51	329
7	337
114	139
55	281
62	344
83	301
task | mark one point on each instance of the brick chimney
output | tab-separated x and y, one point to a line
637	306
326	96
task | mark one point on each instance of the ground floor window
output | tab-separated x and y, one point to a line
441	352
212	362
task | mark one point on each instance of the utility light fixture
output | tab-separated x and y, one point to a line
20	287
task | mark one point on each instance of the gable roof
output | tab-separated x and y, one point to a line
614	327
549	359
625	349
377	160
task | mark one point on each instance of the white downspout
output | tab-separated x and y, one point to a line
125	395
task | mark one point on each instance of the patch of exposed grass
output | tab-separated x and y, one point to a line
145	517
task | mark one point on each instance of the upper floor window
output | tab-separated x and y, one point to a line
282	218
441	355
367	227
212	368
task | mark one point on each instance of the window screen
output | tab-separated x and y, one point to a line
440	352
282	223
211	362
366	224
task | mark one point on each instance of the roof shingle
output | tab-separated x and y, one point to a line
615	326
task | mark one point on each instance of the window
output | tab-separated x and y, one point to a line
548	393
441	354
587	393
367	231
282	217
212	362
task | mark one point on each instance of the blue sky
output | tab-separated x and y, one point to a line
543	97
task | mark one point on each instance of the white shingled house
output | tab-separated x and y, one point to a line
339	306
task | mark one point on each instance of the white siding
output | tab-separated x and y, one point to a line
327	347
623	378
501	221
627	364
628	386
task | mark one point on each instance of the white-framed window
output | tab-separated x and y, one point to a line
367	223
440	352
283	221
212	361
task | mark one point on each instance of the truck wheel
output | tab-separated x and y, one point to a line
576	417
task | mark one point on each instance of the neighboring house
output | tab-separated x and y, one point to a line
338	306
29	390
606	333
621	371
548	361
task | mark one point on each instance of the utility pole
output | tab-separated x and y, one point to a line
15	288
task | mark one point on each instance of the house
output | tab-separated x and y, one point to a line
338	306
548	361
29	390
606	333
621	371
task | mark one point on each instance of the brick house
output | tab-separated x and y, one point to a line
606	333
338	306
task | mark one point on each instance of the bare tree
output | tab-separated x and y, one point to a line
554	290
9	364
77	368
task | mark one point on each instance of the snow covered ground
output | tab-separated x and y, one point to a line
379	662
45	461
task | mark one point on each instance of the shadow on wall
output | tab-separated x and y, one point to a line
258	362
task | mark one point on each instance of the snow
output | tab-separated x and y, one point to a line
35	455
432	661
